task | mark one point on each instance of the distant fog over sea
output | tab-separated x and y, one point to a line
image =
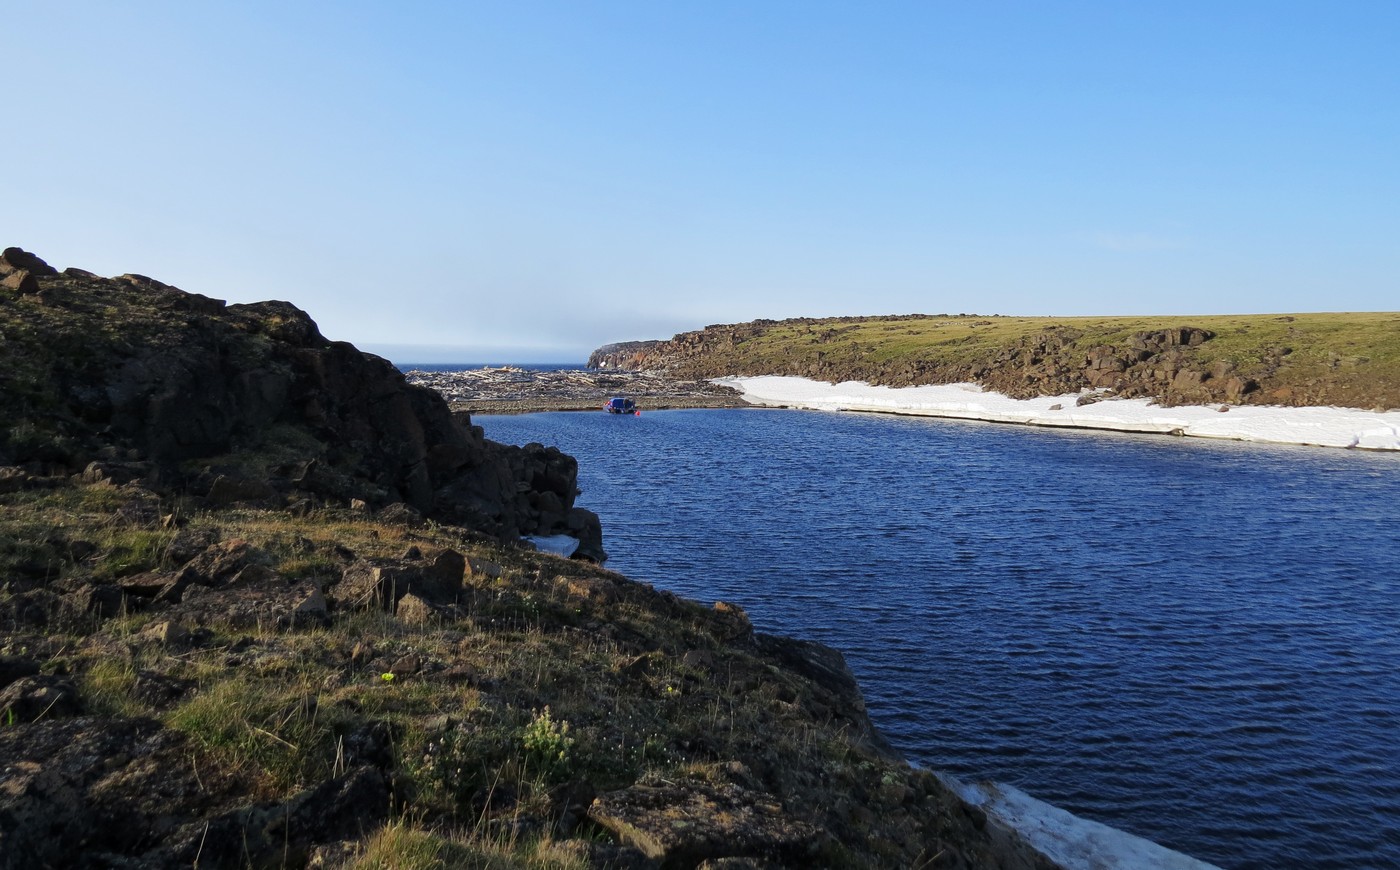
435	358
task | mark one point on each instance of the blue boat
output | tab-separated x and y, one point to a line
619	405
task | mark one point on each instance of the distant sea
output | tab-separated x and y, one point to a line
458	367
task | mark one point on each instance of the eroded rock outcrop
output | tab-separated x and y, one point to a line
157	384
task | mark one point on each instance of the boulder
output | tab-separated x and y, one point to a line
1236	388
221	562
414	610
20	281
383	582
35	697
483	569
12	479
732	623
166	633
12	259
12	668
1187	379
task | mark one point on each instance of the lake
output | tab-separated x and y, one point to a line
1197	642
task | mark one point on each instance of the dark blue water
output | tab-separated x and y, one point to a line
1198	642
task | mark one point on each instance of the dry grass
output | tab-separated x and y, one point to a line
555	673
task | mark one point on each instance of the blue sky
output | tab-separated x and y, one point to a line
528	180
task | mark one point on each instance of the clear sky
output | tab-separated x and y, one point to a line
520	180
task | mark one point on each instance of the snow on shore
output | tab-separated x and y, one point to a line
1325	427
1066	839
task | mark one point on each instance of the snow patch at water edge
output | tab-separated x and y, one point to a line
1325	427
559	545
1066	839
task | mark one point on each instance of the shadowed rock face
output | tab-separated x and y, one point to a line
135	373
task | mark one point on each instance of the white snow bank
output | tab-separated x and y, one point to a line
1066	839
559	545
1325	427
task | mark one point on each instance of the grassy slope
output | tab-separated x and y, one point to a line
545	643
1344	358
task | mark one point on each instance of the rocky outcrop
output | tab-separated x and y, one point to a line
625	355
170	385
1152	363
20	271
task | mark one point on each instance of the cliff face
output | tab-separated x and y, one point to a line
1347	360
248	403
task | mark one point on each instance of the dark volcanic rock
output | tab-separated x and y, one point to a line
134	368
17	258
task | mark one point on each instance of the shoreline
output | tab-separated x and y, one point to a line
509	391
546	404
1269	424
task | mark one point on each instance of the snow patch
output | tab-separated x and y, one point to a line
1325	427
559	545
1066	839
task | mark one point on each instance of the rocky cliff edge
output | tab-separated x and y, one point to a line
131	378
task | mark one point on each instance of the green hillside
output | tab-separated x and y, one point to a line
1347	359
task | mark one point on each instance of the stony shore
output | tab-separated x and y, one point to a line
510	390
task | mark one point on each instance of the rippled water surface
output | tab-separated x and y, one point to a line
1197	642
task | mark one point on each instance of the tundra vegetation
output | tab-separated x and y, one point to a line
1342	359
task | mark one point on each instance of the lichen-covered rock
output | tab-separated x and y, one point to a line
683	824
